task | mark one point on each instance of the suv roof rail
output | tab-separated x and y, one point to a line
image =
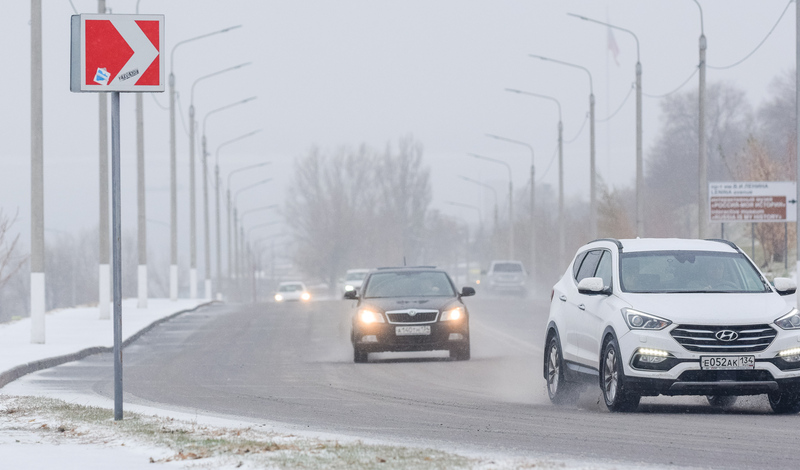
612	240
407	267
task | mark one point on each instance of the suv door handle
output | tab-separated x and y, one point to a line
582	307
563	298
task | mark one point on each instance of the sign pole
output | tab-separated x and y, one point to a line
116	253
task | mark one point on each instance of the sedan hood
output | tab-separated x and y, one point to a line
711	309
402	303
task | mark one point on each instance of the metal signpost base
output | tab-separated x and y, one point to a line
116	253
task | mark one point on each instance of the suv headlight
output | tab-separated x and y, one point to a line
790	321
637	320
452	314
368	316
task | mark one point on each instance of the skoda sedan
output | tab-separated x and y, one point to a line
652	317
410	309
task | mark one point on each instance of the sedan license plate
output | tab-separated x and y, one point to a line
412	330
727	362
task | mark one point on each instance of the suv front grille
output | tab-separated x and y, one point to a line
405	316
702	338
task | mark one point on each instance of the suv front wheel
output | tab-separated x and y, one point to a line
612	380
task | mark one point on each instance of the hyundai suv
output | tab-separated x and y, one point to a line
410	309
650	317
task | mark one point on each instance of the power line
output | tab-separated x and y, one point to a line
676	89
633	87
549	165
586	118
759	44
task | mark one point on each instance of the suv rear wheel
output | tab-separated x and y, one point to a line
612	380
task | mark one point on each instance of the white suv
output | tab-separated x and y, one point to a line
671	317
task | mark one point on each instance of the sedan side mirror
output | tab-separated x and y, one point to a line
593	286
785	285
467	291
351	294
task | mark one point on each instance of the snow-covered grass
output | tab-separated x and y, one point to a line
168	440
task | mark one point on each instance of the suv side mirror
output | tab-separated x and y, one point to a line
593	286
784	285
467	291
351	294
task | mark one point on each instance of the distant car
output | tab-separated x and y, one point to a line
410	309
353	279
506	276
649	317
292	291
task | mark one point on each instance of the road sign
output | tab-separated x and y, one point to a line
117	53
753	201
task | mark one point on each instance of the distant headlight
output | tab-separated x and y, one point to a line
368	316
278	298
452	314
637	320
305	296
348	288
790	321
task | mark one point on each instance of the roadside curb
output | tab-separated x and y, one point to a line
24	369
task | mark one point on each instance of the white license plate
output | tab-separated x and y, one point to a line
412	330
727	362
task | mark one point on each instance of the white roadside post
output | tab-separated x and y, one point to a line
37	179
135	65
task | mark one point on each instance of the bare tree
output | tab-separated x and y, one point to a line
10	258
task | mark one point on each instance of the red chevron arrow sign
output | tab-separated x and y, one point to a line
117	53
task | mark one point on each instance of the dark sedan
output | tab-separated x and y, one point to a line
410	309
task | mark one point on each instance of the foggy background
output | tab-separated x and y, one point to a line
362	80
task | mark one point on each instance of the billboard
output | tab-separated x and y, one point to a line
753	201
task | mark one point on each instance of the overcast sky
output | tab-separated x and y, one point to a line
346	72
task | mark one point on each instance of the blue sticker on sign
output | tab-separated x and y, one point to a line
101	76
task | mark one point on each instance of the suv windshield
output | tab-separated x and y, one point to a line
355	276
507	268
290	288
409	284
688	271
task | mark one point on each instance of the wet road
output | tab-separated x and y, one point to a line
292	363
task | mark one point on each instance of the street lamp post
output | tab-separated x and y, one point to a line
510	201
532	212
592	168
480	223
192	195
232	236
236	224
561	229
216	189
639	163
173	182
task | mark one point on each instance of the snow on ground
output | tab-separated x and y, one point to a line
58	429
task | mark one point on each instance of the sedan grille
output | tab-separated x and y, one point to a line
706	338
412	316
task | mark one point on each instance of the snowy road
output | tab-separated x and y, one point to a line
292	363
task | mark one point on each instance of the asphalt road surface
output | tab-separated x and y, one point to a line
293	363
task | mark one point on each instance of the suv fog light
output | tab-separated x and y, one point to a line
652	356
369	339
790	355
455	337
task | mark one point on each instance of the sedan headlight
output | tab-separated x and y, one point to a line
368	316
278	298
790	321
452	314
305	296
637	320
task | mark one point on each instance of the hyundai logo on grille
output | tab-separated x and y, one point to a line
411	313
727	335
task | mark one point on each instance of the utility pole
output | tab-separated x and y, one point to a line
702	203
37	178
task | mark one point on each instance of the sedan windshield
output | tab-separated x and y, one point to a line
507	268
689	271
355	276
409	284
290	288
